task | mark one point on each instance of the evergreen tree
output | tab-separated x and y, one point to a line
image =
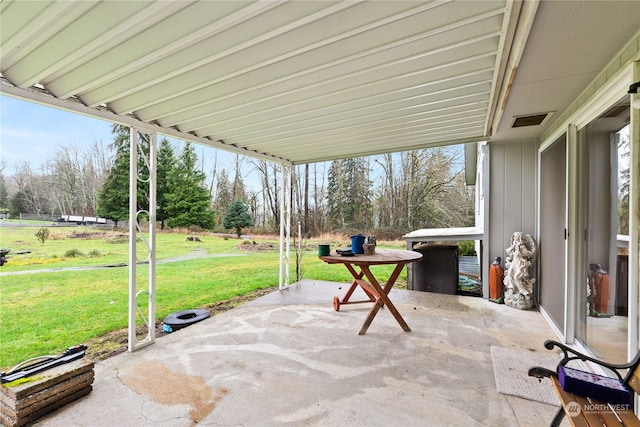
188	202
238	191
624	181
349	194
4	193
358	212
19	203
166	163
223	198
335	195
238	217
113	198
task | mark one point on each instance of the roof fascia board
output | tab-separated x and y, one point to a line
42	97
517	33
382	151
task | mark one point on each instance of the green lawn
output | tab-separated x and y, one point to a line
43	313
93	246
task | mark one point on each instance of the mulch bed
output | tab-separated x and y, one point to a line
116	342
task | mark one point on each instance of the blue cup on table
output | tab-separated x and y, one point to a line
357	240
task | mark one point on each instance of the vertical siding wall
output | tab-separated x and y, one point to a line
512	194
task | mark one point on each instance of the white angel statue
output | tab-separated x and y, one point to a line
518	285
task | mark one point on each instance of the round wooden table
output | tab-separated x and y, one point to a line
377	294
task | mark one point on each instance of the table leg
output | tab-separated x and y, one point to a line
357	276
383	299
357	280
353	287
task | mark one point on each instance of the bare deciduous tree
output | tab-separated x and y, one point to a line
32	189
269	177
74	176
404	191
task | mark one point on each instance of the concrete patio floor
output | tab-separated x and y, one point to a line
289	359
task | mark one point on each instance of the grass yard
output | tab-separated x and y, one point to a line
84	246
46	312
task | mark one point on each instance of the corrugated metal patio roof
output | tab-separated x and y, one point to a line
305	81
295	81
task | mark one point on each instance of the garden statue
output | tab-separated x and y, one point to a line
518	292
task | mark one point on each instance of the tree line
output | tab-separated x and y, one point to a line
391	192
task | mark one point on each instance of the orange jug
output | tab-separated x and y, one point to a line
496	274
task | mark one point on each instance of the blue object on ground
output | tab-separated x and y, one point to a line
183	318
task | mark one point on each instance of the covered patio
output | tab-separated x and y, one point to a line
289	359
300	82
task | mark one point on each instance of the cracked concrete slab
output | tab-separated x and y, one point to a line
289	359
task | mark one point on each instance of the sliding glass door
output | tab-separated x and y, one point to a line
602	287
553	223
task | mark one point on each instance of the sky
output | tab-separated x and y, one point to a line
33	132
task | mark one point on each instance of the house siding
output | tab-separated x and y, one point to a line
512	201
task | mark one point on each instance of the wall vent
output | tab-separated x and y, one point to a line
530	120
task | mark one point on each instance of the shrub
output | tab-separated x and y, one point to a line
43	235
94	253
73	253
466	248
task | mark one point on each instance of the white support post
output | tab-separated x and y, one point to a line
133	208
285	226
281	263
482	220
153	167
148	176
289	194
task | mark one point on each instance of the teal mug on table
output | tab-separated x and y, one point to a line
324	250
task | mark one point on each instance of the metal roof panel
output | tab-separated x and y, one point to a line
295	81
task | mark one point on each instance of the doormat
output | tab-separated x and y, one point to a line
511	367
